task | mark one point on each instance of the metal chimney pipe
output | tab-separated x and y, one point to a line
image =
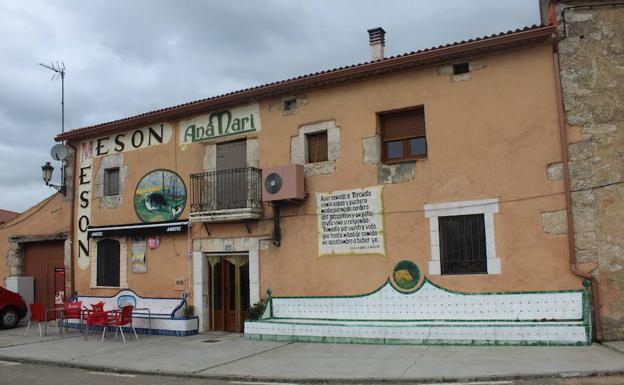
377	42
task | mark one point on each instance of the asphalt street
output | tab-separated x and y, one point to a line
13	373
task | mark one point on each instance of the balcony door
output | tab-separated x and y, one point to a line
232	175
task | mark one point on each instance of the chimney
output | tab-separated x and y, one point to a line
377	42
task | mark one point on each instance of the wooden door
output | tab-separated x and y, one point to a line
43	261
232	175
229	289
224	307
224	295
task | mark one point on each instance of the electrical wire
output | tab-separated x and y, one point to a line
410	211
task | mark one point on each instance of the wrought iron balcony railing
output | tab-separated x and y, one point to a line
237	188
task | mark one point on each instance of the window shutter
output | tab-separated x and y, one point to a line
112	181
317	147
231	155
403	124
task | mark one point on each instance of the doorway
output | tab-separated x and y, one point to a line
44	261
232	175
228	291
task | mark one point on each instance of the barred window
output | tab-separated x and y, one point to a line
462	244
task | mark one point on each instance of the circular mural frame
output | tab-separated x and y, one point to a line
155	203
406	275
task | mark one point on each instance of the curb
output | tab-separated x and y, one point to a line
366	380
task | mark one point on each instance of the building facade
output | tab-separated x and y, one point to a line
438	167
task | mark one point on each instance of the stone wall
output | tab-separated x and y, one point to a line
591	53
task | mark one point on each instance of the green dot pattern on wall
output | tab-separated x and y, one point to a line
405	275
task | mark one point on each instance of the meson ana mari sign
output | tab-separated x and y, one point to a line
237	121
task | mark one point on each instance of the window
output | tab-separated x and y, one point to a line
108	263
403	135
461	68
462	237
317	147
462	244
111	181
290	104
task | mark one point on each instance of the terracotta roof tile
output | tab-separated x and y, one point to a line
84	131
6	215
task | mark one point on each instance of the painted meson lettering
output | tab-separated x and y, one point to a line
107	145
127	141
236	121
84	208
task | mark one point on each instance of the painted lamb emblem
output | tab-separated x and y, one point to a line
406	274
403	276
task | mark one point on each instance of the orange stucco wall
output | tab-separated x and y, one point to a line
489	137
48	217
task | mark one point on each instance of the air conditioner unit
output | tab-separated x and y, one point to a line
283	183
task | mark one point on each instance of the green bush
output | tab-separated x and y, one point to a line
255	312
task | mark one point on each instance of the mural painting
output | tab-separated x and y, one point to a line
406	275
160	196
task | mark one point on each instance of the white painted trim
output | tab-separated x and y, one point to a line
462	208
487	207
200	288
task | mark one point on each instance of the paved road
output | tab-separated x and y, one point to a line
12	373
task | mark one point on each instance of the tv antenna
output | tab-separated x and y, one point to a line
59	72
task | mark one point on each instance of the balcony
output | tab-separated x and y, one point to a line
226	196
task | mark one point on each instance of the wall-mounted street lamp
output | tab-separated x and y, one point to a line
47	170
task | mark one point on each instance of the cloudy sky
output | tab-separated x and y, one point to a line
127	57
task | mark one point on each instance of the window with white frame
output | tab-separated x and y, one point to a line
462	237
109	262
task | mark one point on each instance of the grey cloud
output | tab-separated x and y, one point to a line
128	57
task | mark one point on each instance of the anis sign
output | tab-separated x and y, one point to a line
237	121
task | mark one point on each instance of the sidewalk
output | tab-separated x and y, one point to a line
224	355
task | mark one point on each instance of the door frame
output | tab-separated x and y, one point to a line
203	247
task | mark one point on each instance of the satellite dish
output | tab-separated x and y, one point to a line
59	152
273	183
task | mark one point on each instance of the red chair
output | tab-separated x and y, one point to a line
37	313
98	306
72	310
96	318
121	318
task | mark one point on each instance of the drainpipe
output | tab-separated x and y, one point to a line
568	197
71	220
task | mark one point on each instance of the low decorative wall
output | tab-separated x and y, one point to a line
165	316
429	315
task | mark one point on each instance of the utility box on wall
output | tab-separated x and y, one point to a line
24	286
283	183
